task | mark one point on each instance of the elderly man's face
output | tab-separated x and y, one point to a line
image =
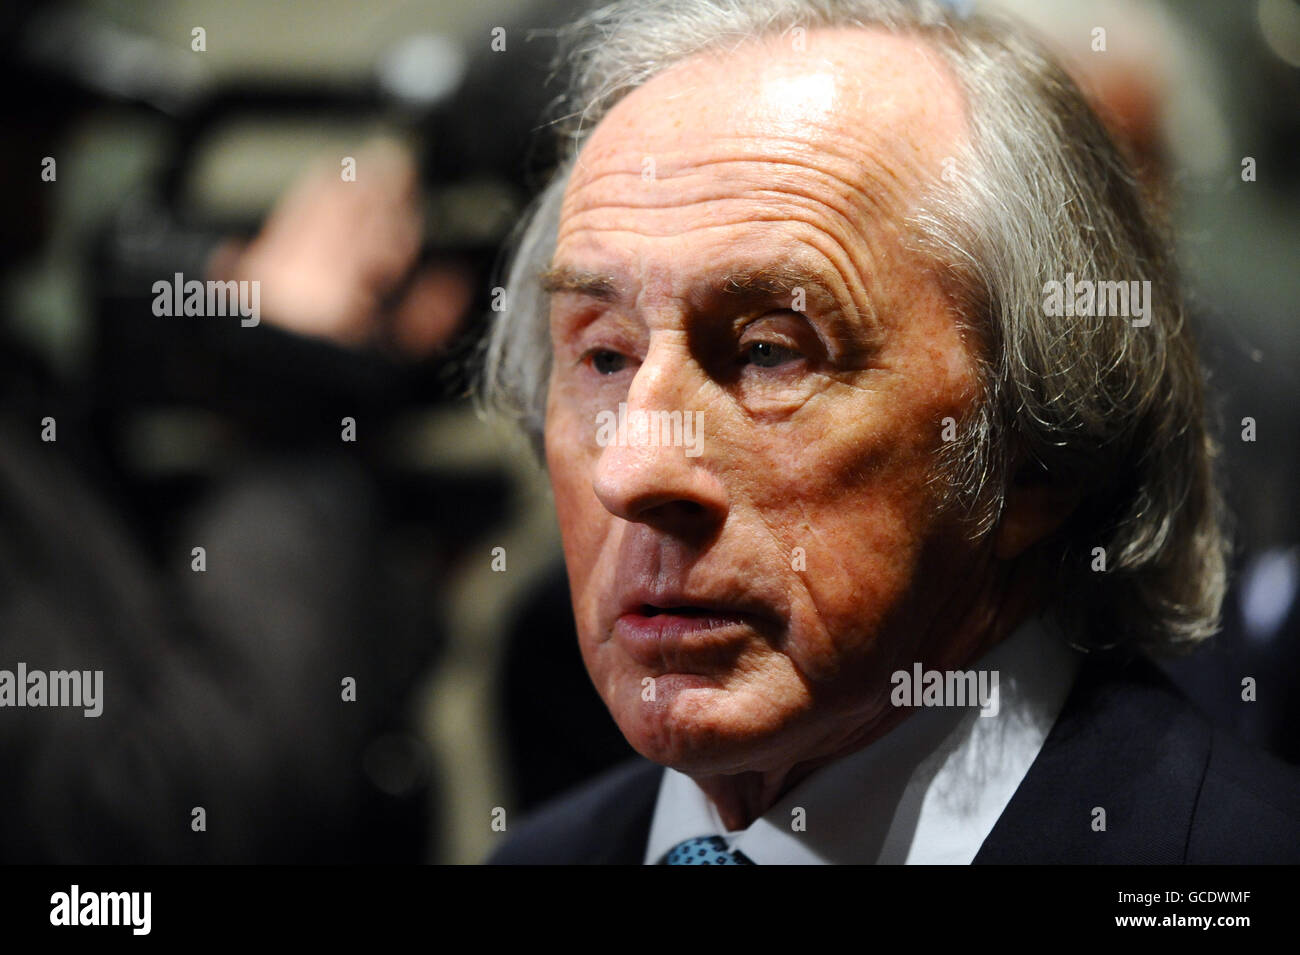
741	608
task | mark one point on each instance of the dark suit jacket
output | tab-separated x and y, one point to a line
1175	790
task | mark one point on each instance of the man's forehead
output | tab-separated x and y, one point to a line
887	96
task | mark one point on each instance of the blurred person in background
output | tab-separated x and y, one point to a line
255	699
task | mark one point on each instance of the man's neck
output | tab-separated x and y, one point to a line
742	798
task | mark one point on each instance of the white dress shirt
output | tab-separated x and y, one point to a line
929	791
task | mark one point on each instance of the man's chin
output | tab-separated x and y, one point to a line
695	726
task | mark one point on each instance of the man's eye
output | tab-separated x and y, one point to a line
769	355
606	362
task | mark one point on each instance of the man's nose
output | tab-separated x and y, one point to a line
656	470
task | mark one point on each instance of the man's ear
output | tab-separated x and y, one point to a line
1036	505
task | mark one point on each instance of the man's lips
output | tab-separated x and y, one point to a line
683	637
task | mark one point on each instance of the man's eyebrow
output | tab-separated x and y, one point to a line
592	284
782	280
771	280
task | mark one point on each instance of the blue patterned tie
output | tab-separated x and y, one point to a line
705	850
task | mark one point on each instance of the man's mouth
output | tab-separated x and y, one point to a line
650	610
683	637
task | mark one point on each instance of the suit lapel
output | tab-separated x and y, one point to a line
1126	746
619	833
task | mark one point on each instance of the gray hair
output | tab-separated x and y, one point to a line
1040	192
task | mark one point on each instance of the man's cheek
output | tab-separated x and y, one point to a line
853	575
583	522
583	527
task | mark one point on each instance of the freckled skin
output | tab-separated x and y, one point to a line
762	156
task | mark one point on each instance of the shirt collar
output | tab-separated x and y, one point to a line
929	791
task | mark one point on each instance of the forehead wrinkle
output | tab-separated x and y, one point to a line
813	200
862	169
857	184
848	263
